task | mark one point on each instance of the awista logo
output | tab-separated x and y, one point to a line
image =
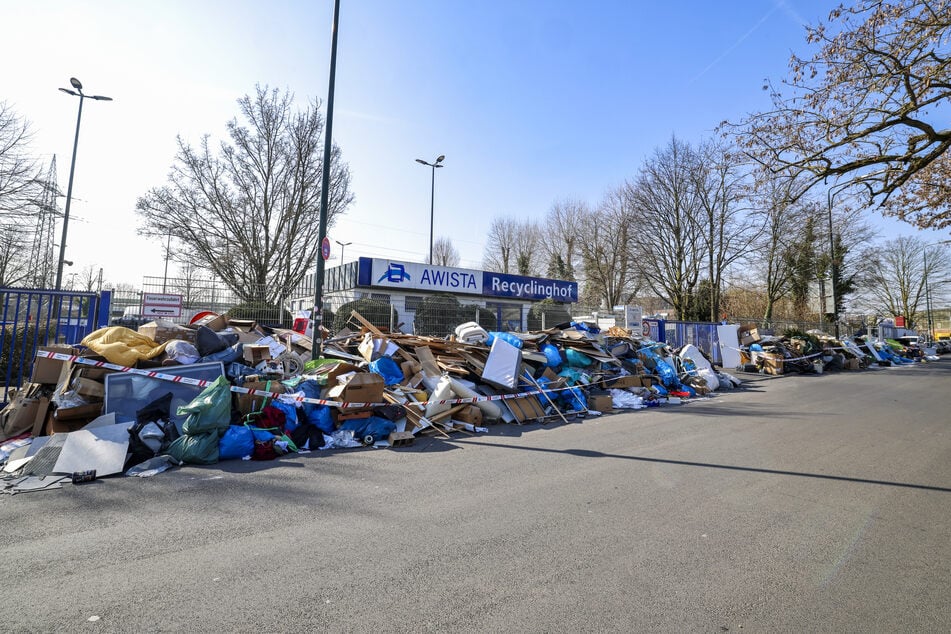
396	273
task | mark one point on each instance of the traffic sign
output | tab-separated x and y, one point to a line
325	248
161	305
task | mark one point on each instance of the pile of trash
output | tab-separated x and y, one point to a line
140	402
815	352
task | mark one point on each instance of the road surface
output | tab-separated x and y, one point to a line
801	503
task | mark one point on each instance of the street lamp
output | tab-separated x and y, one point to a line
830	195
78	92
342	245
432	197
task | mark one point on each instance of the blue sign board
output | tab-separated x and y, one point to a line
411	275
534	288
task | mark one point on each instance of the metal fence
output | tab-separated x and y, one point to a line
30	318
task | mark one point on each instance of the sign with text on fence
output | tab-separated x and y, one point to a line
161	305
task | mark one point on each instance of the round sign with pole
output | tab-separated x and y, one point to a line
325	248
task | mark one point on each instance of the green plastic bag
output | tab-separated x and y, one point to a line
209	411
195	448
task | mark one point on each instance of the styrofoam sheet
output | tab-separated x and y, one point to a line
101	448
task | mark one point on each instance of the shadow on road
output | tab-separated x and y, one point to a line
588	453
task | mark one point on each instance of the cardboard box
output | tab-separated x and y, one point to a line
213	321
750	336
328	373
47	370
243	325
43	414
600	403
19	414
363	387
96	374
247	403
852	364
622	382
88	388
772	364
470	414
255	354
84	413
162	330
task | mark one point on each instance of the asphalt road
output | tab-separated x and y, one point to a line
803	503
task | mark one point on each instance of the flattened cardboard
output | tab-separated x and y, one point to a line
47	371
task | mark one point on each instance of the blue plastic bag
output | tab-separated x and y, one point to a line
504	336
552	356
369	430
290	414
318	415
577	359
237	442
388	369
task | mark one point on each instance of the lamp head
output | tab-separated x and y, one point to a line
78	85
420	161
441	158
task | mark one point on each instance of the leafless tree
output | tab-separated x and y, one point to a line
15	268
19	183
722	194
565	229
782	215
869	107
512	246
444	254
607	254
499	255
249	212
897	274
668	215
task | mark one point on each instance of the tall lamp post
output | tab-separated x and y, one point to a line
77	92
342	245
432	198
830	195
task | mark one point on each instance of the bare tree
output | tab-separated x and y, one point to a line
19	182
607	253
668	215
250	212
444	254
869	108
513	247
15	266
499	255
897	274
782	217
721	187
565	230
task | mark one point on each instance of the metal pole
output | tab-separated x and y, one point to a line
317	340
432	199
168	249
832	263
928	298
69	198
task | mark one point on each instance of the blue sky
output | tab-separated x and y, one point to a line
531	102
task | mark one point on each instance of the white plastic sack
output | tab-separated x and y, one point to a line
622	399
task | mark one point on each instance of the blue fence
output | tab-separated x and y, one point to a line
680	333
30	318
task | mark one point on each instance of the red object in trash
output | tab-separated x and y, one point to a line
300	325
201	315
